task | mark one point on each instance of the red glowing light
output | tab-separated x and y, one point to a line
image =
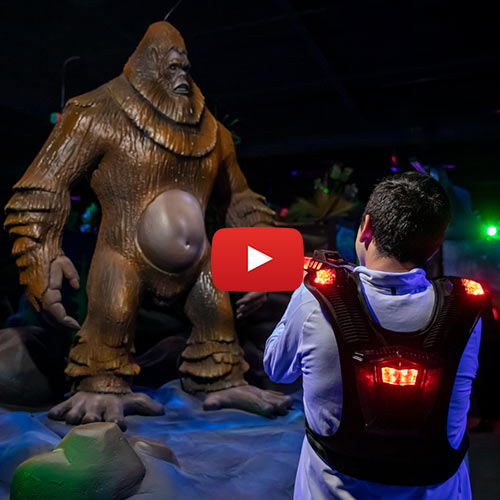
306	262
394	159
396	376
472	287
315	264
325	277
495	313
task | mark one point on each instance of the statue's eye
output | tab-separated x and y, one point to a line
173	67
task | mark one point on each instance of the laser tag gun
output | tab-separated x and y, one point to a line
396	385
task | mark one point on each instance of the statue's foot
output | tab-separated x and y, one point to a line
87	407
249	398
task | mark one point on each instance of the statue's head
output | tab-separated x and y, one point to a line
159	70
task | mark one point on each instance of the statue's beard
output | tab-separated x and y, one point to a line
185	109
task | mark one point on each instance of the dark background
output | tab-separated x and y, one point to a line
311	82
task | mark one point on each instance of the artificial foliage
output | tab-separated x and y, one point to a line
334	196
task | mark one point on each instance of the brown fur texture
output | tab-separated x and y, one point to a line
134	140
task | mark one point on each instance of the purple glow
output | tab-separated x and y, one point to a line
394	169
417	166
75	198
449	167
294	172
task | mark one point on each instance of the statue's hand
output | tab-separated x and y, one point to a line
249	303
52	306
87	407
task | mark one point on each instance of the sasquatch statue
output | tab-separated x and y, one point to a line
154	154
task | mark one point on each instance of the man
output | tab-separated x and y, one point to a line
385	448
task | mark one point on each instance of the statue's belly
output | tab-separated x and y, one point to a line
171	232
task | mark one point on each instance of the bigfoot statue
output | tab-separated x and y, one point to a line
154	154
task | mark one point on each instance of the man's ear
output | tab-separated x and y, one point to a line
365	231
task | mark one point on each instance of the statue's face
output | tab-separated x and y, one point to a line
159	70
177	72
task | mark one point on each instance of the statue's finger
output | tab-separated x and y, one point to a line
58	412
51	296
280	394
71	323
114	413
74	416
56	275
212	402
253	297
264	408
90	418
142	404
245	299
56	311
96	404
58	314
280	402
70	272
248	297
239	311
247	310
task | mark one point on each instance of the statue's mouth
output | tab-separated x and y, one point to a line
182	88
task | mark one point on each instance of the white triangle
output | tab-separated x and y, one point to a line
256	258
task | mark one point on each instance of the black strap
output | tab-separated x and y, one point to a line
352	458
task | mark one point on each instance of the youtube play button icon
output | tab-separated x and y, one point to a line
257	259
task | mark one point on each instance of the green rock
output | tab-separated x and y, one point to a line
93	462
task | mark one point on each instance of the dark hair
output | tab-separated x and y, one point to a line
409	214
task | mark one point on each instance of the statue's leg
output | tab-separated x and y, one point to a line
213	360
101	357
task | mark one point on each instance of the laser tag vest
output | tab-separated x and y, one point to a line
396	386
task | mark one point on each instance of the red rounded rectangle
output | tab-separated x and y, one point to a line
257	259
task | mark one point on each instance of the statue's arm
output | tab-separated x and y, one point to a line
38	210
245	207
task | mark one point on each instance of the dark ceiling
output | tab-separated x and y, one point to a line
308	80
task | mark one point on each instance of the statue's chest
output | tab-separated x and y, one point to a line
162	168
133	173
